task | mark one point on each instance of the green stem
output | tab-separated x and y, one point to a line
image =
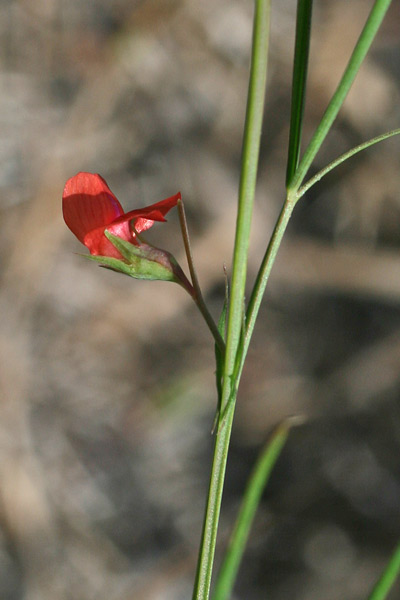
260	285
250	154
210	524
363	44
388	577
251	499
342	158
300	68
197	295
265	271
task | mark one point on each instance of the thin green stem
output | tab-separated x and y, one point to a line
388	577
210	524
363	44
250	154
265	271
251	499
384	136
197	295
279	230
300	68
259	287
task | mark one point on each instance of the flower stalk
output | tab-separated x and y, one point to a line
197	294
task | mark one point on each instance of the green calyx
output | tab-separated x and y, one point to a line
142	262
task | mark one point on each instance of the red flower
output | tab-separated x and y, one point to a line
90	207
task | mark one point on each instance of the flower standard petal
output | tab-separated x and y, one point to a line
88	203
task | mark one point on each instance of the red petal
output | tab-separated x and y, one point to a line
99	245
162	207
144	217
88	203
157	211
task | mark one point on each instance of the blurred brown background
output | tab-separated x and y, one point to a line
106	383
